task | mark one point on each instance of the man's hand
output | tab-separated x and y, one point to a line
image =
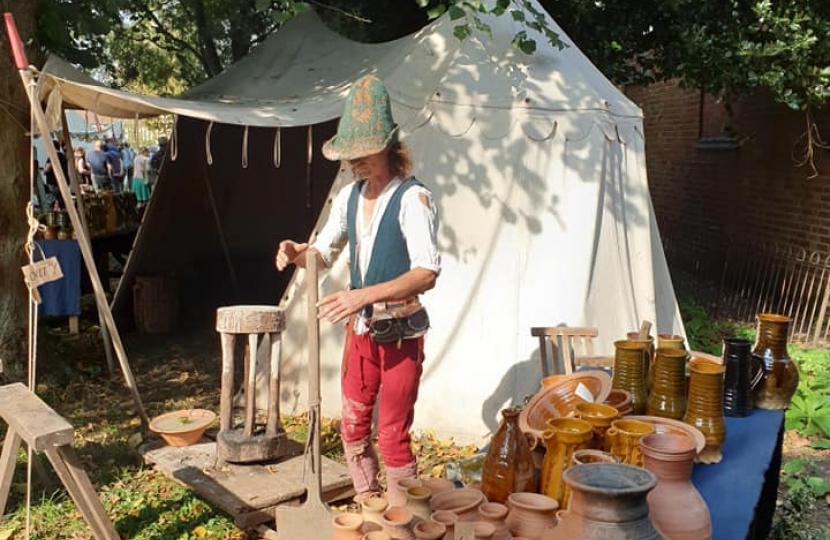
336	307
289	253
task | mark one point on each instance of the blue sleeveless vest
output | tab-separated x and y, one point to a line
390	257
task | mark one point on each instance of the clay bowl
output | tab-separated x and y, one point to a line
620	400
559	398
182	428
463	502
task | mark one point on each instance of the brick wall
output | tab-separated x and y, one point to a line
707	200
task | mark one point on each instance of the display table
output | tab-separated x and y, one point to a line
62	297
741	490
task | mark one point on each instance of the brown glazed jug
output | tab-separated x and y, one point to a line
508	465
780	372
676	507
705	408
668	390
608	502
631	360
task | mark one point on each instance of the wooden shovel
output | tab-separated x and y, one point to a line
312	519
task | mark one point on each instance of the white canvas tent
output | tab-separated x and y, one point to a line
537	163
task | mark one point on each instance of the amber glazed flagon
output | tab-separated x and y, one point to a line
704	409
780	372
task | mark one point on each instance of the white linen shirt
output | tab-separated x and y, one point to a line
418	222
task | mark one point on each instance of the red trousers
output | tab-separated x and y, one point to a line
389	376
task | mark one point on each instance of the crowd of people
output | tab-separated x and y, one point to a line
113	167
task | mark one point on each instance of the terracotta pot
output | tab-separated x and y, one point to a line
417	501
397	523
463	502
372	509
623	440
705	408
347	526
406	483
483	531
531	514
620	400
182	428
508	465
562	438
608	502
600	417
780	372
448	520
675	506
743	374
429	530
631	361
376	535
668	391
590	455
437	485
495	514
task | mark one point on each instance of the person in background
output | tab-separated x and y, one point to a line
141	181
127	158
52	178
100	165
84	174
117	170
389	221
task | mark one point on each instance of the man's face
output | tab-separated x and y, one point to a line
370	166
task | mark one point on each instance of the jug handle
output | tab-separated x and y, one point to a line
759	371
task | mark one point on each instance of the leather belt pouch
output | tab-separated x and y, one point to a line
393	325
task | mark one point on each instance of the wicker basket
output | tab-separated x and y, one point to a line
156	303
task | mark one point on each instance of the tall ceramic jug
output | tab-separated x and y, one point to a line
743	373
705	408
780	372
668	391
562	437
631	359
508	465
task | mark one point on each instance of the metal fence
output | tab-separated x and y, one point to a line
767	279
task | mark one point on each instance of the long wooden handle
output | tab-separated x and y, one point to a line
315	484
645	329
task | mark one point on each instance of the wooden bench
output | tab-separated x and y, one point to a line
32	421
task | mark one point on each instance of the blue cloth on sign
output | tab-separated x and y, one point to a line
61	297
732	488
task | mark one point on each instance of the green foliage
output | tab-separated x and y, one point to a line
809	411
804	483
706	334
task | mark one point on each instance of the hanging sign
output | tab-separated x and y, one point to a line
40	272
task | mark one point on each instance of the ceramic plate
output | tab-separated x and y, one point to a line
668	425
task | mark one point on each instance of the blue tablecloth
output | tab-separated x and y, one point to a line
733	488
62	297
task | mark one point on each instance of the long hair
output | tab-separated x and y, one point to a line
400	160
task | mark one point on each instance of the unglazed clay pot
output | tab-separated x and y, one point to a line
531	514
591	455
668	388
429	530
780	372
463	502
608	502
562	438
347	526
631	360
417	501
495	514
705	408
372	509
397	523
376	535
448	520
675	506
437	485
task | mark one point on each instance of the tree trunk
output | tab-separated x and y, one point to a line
207	47
14	192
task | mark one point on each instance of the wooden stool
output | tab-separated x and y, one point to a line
250	442
33	421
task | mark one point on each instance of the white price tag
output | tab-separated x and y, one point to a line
583	392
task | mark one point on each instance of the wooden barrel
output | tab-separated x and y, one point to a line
156	303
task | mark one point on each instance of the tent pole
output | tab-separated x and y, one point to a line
100	296
76	187
221	231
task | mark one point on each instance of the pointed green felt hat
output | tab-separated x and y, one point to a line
367	126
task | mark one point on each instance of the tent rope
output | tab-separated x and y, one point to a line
174	139
208	155
135	130
309	148
245	148
278	148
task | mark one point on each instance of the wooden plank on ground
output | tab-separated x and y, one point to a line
32	419
247	492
